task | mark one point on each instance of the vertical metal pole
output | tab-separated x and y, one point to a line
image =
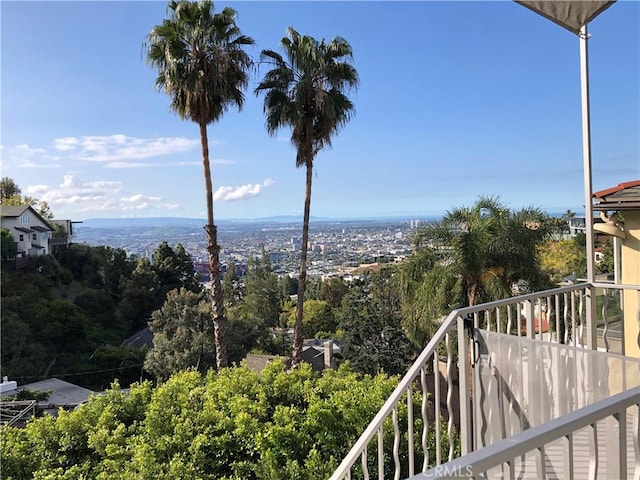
588	189
466	439
617	279
617	266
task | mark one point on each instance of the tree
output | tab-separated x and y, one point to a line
473	255
141	295
288	285
262	299
203	68
374	340
175	268
9	246
232	291
8	188
182	336
317	317
333	291
114	265
606	265
306	93
11	194
238	424
562	258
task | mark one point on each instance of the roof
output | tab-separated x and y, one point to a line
13	211
624	196
143	338
63	393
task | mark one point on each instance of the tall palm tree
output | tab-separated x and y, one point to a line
203	68
306	92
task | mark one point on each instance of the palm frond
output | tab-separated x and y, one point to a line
200	60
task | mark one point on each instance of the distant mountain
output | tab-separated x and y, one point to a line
200	222
141	222
187	222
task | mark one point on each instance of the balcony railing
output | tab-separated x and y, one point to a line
507	458
453	401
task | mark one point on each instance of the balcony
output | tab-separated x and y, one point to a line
536	386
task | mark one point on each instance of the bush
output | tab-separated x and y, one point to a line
236	424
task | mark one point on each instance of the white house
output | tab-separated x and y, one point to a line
30	231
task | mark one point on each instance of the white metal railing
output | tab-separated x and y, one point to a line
502	457
430	410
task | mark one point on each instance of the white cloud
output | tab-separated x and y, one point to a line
129	165
104	185
36	189
77	196
242	192
138	197
112	151
25	156
141	206
67	181
117	148
65	144
72	192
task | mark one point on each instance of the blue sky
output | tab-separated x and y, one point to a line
457	100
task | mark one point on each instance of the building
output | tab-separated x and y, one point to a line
64	232
31	232
623	200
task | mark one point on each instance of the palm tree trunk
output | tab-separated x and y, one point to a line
213	249
296	356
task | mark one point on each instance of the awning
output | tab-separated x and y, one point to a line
25	230
570	14
40	229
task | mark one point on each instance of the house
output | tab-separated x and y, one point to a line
624	199
60	394
30	230
523	401
64	232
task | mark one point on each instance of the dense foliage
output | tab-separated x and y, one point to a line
472	255
65	315
233	425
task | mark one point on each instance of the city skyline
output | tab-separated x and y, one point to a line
457	100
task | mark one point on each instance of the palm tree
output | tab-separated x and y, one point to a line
472	255
306	93
203	68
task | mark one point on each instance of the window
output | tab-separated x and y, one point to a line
21	237
34	237
44	236
24	219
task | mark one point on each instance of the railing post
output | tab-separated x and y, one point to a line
590	306
466	435
530	318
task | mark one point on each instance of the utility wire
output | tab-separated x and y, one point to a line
79	373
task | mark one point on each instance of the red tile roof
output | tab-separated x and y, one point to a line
618	188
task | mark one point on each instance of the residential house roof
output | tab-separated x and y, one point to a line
14	211
63	394
624	196
142	338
